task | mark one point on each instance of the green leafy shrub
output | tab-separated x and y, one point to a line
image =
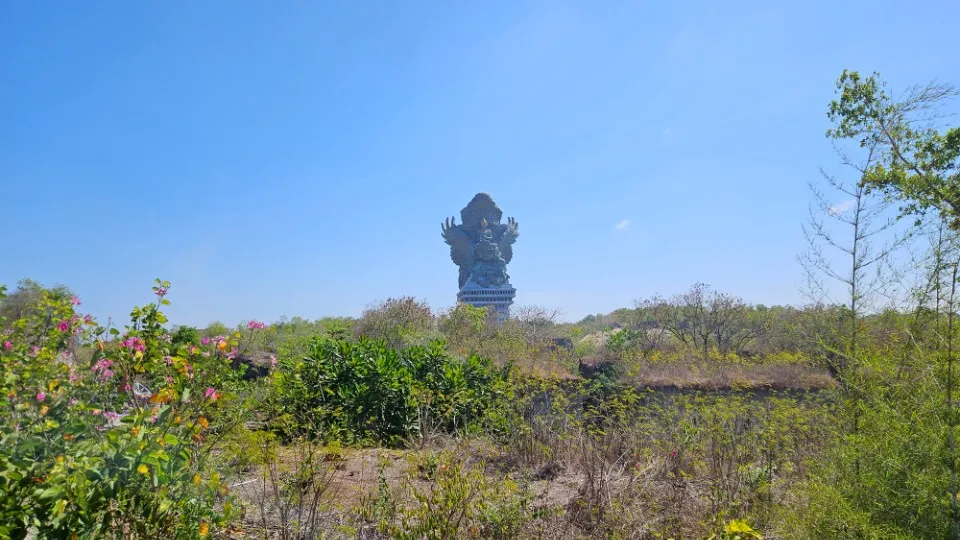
887	473
185	335
114	447
366	392
398	321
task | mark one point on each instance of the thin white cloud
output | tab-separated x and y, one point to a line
840	208
622	226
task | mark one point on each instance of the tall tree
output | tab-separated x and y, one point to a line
919	157
858	228
919	165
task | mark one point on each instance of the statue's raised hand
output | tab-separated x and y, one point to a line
447	226
512	228
452	233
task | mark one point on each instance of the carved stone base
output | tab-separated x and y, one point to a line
501	298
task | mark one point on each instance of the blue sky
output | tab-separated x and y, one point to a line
297	158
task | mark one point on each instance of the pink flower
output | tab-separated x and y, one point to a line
74	377
110	415
88	319
211	393
64	325
126	387
35	350
153	419
134	344
205	341
41	396
103	367
7	345
273	361
102	364
161	291
169	380
74	300
95	412
256	325
73	402
232	354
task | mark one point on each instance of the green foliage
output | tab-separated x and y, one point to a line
458	501
90	450
185	335
465	327
397	321
921	165
365	391
888	473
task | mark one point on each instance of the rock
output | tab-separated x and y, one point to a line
255	366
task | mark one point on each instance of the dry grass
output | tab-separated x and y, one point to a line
698	376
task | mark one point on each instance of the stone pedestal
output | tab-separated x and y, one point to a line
501	298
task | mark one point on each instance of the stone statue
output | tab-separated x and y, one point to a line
481	246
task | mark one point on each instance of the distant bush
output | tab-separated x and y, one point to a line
366	392
185	335
398	321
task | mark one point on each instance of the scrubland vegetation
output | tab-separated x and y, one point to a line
691	416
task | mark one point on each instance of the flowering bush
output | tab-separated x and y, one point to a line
114	446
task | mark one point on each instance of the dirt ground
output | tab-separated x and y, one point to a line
355	475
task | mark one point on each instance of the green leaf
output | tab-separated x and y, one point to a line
50	494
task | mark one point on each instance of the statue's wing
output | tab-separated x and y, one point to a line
459	242
506	252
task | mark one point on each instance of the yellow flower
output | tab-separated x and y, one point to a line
143	469
134	431
204	529
222	345
43	410
59	459
52	385
203	422
196	479
68	436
